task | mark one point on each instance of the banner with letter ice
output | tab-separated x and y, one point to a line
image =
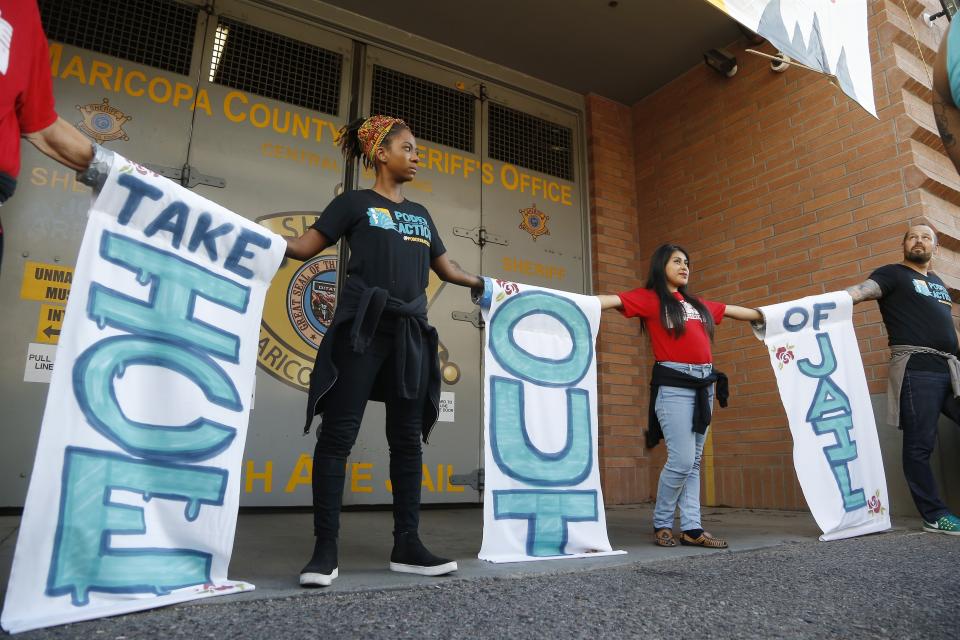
836	451
542	496
135	488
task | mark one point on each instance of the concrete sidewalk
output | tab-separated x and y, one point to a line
271	548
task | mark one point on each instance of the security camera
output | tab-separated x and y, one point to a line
721	61
779	66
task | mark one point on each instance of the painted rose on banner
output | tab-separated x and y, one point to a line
784	355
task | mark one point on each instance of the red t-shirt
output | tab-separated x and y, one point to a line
26	90
693	347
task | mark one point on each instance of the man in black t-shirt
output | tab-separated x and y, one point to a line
924	371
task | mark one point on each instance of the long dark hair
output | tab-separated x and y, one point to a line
671	310
351	146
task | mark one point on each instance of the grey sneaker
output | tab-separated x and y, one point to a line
948	524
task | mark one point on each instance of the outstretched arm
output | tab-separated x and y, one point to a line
742	313
610	301
449	271
64	143
866	290
306	246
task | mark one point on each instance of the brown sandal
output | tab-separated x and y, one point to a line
664	537
705	540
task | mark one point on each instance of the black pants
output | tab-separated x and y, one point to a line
343	412
923	397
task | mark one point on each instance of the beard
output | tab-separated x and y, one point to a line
917	256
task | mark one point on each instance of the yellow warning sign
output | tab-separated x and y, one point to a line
48	326
46	282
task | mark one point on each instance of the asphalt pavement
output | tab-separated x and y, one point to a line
776	581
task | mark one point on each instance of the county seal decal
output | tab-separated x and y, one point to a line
102	122
300	304
534	221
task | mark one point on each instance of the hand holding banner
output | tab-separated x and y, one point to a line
814	354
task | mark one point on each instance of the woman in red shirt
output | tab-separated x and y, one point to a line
681	329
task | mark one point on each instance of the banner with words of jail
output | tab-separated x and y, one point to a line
542	496
135	488
836	451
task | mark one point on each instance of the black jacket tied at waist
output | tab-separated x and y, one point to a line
702	411
360	309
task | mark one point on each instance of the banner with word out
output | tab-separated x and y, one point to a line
134	492
542	496
836	451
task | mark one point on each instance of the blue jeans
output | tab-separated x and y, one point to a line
680	478
923	396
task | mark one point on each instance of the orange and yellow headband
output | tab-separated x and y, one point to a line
372	132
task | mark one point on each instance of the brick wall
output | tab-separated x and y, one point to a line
621	352
780	187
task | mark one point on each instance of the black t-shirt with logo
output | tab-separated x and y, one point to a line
391	243
916	310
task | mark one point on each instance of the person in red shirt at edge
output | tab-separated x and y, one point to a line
26	99
681	329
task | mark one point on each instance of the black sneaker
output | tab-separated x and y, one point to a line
410	556
322	568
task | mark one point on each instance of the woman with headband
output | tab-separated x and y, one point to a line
379	345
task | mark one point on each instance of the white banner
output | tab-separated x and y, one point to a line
826	35
134	492
542	496
836	452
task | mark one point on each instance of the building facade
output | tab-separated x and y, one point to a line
778	185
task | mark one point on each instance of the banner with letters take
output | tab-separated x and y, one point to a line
836	451
135	488
542	496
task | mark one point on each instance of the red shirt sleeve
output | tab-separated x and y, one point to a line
716	310
35	106
639	302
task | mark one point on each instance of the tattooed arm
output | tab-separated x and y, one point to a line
945	111
866	290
